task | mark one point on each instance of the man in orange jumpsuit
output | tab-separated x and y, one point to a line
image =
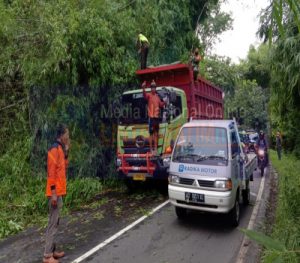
154	103
57	161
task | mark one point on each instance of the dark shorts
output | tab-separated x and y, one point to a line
153	125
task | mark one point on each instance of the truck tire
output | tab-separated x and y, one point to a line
234	214
246	196
180	212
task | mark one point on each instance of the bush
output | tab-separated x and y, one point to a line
287	228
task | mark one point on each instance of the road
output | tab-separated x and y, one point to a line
163	238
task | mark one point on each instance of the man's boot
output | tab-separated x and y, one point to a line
50	260
58	255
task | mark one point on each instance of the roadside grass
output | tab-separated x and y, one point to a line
284	243
287	221
24	204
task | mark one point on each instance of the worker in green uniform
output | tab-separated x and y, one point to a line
143	49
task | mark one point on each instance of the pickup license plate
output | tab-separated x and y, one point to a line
194	198
139	177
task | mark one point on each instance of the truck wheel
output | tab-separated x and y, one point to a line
180	212
246	196
234	214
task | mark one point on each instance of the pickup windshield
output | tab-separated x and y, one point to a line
202	145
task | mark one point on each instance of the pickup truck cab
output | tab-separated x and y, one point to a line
209	170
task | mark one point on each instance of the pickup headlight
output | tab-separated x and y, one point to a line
166	161
223	184
174	179
118	162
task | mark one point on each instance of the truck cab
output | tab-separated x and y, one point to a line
209	171
135	161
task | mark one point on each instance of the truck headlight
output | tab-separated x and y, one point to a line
174	179
166	161
118	162
223	184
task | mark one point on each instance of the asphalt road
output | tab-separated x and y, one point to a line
163	238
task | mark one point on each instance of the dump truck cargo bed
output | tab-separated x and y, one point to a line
204	100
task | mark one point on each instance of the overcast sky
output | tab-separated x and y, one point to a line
235	43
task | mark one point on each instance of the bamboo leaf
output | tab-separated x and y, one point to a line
264	240
273	257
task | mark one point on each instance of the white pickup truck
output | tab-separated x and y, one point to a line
209	170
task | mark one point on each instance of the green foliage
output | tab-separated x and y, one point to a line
215	23
282	22
286	228
221	72
257	65
249	104
284	245
244	98
275	249
64	61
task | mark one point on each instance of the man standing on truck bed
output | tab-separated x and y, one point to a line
195	60
154	103
143	48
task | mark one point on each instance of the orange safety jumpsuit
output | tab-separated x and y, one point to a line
57	163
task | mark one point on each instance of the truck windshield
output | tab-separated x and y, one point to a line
202	145
134	108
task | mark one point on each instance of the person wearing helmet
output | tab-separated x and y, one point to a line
262	143
195	60
143	48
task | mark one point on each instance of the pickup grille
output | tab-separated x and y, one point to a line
186	181
204	183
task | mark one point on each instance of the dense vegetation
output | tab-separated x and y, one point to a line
66	61
286	228
280	24
245	97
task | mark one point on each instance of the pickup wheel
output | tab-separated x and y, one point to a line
246	196
181	212
234	214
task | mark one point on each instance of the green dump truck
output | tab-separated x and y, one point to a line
185	99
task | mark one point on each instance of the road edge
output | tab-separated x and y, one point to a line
120	233
244	246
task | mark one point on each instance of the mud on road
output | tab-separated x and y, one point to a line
83	229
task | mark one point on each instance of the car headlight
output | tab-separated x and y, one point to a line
223	184
166	161
174	179
118	162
